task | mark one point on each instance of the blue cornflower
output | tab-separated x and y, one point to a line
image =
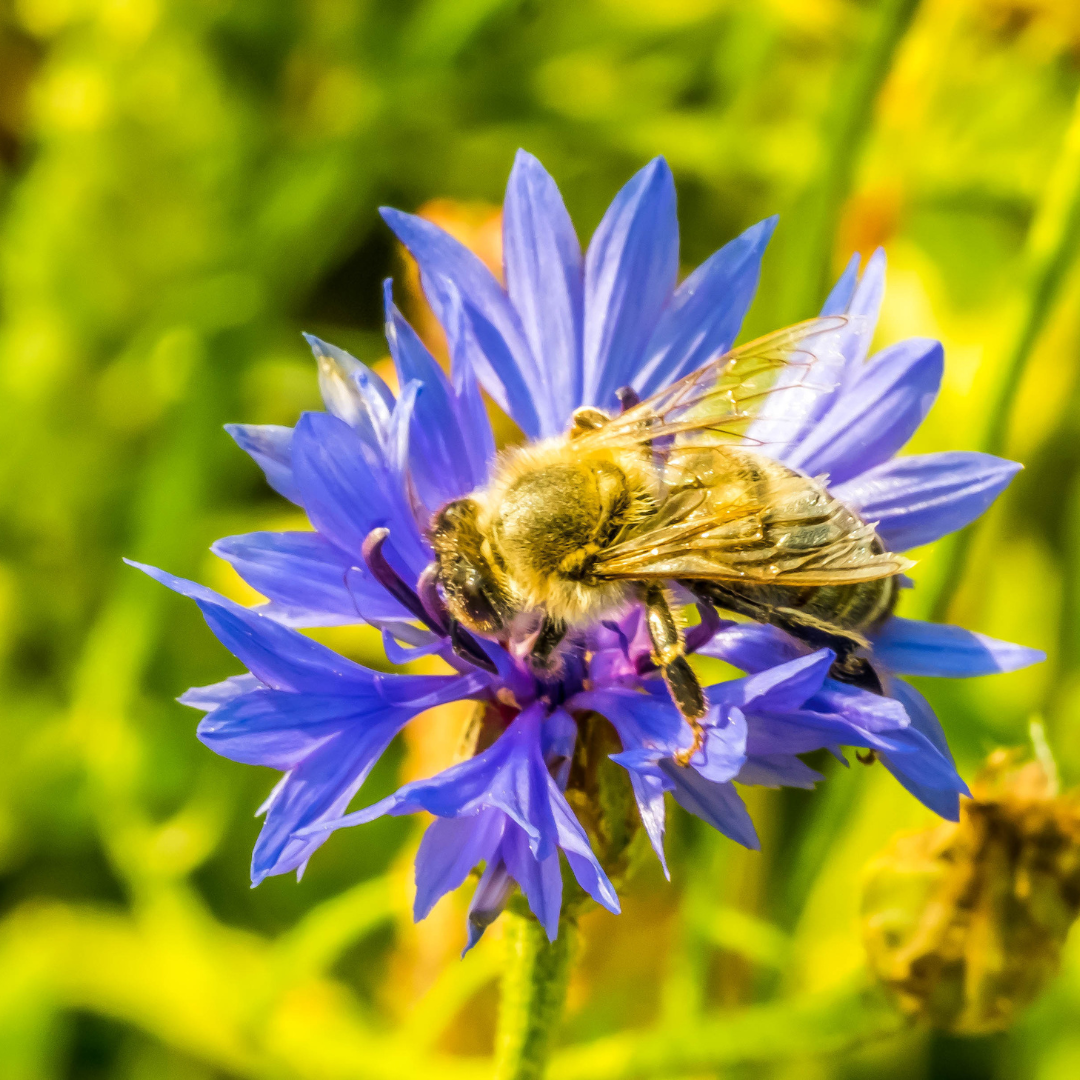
371	471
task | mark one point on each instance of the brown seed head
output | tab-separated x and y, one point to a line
965	922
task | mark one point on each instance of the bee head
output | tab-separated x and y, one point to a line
473	585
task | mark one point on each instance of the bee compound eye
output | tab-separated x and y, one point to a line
473	600
483	612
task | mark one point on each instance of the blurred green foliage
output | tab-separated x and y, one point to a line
184	185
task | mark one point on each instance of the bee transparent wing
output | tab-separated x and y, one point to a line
802	537
718	402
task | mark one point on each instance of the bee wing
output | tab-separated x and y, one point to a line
802	537
718	402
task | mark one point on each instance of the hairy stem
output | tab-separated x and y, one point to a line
1051	247
533	991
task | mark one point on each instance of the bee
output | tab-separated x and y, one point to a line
572	530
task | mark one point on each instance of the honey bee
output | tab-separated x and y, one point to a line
570	530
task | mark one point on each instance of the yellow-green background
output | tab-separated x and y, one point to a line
184	186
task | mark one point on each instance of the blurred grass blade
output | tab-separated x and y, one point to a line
451	991
1052	244
765	1034
745	935
320	937
440	29
809	251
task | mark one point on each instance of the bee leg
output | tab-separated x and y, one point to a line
847	667
857	671
670	657
552	631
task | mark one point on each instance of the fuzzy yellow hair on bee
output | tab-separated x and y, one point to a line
570	530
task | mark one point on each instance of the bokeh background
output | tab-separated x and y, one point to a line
185	185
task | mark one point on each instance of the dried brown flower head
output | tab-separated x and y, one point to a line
965	922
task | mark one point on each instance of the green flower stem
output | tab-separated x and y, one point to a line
1051	247
533	991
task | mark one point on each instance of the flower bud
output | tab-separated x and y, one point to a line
965	922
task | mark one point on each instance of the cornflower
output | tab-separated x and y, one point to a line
568	330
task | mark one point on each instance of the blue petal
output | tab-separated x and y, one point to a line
788	417
921	716
420	692
867	711
271	447
419	642
945	803
558	736
717	804
805	730
314	582
511	779
489	899
780	687
640	720
353	392
876	414
465	358
510	775
837	301
752	646
799	398
926	769
864	306
649	785
451	847
579	854
279	657
544	281
630	272
797	404
348	491
927	774
778	770
916	500
438	451
279	729
706	312
557	742
913	647
505	362
539	877
318	789
328	743
724	749
211	697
